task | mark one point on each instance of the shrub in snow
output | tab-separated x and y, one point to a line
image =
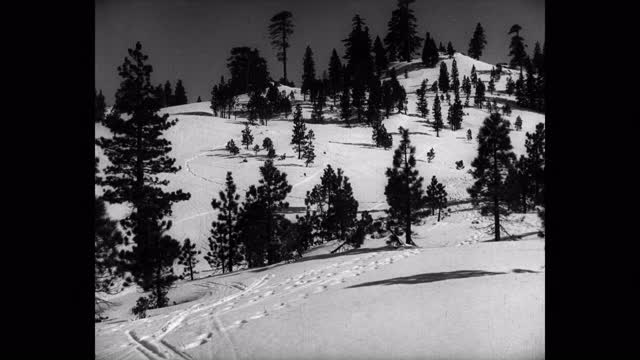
459	165
142	305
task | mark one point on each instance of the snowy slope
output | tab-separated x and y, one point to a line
440	301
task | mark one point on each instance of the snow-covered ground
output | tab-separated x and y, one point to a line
454	297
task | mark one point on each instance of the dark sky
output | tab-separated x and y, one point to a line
191	39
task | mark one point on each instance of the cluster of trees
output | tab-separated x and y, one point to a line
167	97
301	139
529	90
100	106
138	153
223	99
502	182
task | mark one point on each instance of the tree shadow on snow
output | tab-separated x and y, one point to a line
365	145
429	277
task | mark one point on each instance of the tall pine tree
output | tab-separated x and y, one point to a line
180	96
298	138
138	152
517	48
477	43
188	258
402	40
430	55
280	30
404	192
308	72
495	158
224	250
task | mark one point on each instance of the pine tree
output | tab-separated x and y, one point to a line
298	137
280	30
267	143
450	50
477	43
436	196
100	107
437	116
188	258
520	91
474	76
180	97
431	154
137	153
422	105
404	192
517	48
443	79
269	198
232	148
466	87
336	78
506	109
535	162
510	87
492	86
360	67
538	59
247	138
455	79
455	114
224	244
434	86
479	98
345	107
357	102
249	73
518	123
257	108
256	149
441	48
308	150
380	135
494	159
469	136
380	57
169	98
374	102
430	55
308	72
402	40
158	92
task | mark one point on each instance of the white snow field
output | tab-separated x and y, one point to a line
456	296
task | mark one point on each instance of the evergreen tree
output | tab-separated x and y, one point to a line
466	87
158	93
137	153
360	67
333	200
232	148
520	91
169	98
430	55
180	97
535	163
380	57
100	107
249	73
280	30
443	80
345	107
431	154
477	43
308	150
492	86
256	149
374	102
441	48
380	135
224	244
474	76
450	50
308	72
479	98
258	108
455	79
469	136
517	48
199	99
247	138
455	114
506	109
422	105
357	102
402	40
271	153
494	159
434	86
298	138
511	86
336	78
436	196
404	192
268	197
538	59
437	116
188	258
267	143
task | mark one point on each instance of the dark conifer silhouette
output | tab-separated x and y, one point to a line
280	30
308	72
180	96
477	43
138	152
517	48
404	192
224	245
430	55
247	138
298	138
100	107
437	116
402	40
188	257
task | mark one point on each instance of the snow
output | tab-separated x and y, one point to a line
456	296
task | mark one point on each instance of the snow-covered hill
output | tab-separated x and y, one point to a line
439	301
